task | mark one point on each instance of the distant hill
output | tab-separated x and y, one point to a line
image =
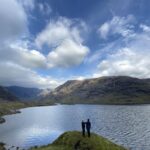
24	93
103	90
5	95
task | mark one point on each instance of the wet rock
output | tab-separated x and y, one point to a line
2	120
14	111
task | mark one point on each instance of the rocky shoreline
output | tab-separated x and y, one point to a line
2	120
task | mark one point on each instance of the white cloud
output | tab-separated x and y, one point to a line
104	30
44	8
13	20
63	36
103	52
22	56
131	59
17	61
28	4
67	54
80	78
118	25
145	28
17	66
57	31
13	74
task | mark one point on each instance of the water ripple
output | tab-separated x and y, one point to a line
125	125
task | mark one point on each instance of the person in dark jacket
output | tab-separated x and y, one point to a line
88	127
83	128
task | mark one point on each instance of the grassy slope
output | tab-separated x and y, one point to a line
8	107
2	146
68	140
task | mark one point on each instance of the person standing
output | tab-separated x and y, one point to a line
88	127
83	128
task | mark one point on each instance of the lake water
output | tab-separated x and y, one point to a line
125	125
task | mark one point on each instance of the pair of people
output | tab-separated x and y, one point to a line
86	125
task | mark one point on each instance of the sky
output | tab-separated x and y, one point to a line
44	43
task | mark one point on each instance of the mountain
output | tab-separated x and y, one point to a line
5	95
103	90
24	93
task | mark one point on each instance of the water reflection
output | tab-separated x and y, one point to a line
126	125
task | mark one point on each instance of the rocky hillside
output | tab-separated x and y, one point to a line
5	95
104	90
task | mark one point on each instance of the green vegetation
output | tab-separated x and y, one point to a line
2	146
10	107
68	140
7	107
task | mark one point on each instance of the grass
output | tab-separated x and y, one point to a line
9	107
68	140
2	146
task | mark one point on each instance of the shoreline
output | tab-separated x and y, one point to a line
9	108
16	111
2	120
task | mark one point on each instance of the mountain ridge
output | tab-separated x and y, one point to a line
103	90
24	93
6	95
